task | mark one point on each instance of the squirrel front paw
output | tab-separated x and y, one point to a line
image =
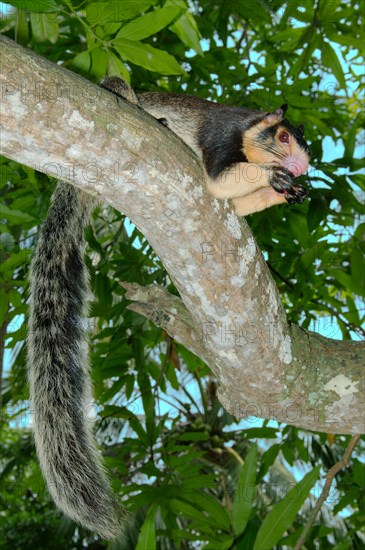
282	181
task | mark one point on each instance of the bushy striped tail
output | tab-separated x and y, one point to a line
60	385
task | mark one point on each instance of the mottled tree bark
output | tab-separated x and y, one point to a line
230	313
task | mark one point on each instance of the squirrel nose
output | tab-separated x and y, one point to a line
296	166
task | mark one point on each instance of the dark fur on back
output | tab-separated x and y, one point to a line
220	137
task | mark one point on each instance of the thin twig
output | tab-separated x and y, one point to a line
244	35
240	40
326	488
3	331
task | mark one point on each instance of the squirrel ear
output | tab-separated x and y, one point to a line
276	116
301	129
284	108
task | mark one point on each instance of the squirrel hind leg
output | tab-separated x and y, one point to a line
119	87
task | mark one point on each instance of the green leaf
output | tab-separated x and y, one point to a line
15	260
146	56
358	271
14	217
99	62
343	39
22	29
268	433
4	305
107	395
147	536
149	24
313	253
123	412
343	278
44	27
288	38
180	507
288	453
290	540
245	492
37	6
284	513
352	314
358	473
186	28
215	509
247	539
352	493
268	458
117	67
327	11
16	298
358	179
102	286
354	165
350	141
178	535
129	386
317	211
223	543
331	62
7	241
82	61
99	13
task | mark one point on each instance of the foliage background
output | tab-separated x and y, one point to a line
191	475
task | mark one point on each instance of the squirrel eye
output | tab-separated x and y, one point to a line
284	137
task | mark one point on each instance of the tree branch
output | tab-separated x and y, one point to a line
330	476
166	311
59	123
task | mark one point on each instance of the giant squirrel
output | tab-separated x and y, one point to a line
250	157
